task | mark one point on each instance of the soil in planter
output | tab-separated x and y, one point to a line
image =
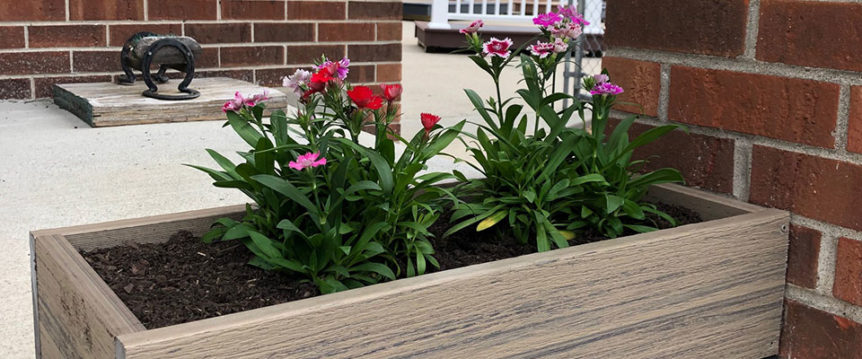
184	279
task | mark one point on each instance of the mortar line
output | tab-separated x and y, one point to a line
843	77
67	10
826	228
742	168
824	303
146	10
26	37
664	92
32	88
752	30
826	264
841	125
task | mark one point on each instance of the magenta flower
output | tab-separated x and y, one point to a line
571	13
237	103
339	67
547	20
606	88
542	49
497	47
567	30
601	78
473	28
307	160
258	98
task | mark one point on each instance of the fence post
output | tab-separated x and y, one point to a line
439	15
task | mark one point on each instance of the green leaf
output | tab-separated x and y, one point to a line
376	268
264	244
639	228
612	202
384	172
633	209
480	107
244	129
286	188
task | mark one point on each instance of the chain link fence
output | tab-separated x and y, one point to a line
587	59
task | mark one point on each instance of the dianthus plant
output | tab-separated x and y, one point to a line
560	181
329	205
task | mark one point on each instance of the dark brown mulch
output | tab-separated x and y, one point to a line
184	279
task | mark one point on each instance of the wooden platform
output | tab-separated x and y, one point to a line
449	39
108	104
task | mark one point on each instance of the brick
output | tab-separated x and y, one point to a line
315	10
388	73
819	34
306	54
67	36
15	89
96	61
848	271
641	81
11	37
120	33
220	33
29	63
373	53
361	74
252	9
854	126
182	10
345	32
250	56
818	188
802	256
389	31
811	333
708	161
44	85
33	10
106	9
801	111
209	58
286	32
273	77
244	75
388	10
697	27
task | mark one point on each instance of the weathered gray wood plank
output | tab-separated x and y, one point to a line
109	104
712	289
78	315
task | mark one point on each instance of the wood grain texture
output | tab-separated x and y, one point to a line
709	205
109	104
708	290
78	315
153	229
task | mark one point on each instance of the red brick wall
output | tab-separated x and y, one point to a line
771	91
43	42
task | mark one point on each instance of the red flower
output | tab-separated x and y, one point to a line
428	121
319	80
391	92
364	98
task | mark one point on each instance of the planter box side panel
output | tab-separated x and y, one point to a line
713	289
77	315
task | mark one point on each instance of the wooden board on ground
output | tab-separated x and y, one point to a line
109	104
712	289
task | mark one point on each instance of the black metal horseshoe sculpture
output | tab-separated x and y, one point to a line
144	49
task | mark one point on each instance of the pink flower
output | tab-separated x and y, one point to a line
567	30
338	68
569	12
258	98
307	160
297	81
547	20
606	88
601	78
237	103
473	28
579	19
391	92
497	47
542	49
560	46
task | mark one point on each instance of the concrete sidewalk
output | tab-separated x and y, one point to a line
55	171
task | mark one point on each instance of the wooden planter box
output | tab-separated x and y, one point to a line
712	289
